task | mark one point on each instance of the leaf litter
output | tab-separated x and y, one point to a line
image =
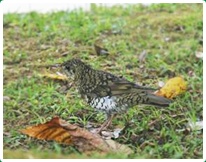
63	132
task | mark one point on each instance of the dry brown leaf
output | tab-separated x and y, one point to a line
173	87
49	131
100	50
63	132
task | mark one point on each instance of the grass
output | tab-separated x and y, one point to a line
171	34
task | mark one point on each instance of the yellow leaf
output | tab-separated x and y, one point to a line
173	87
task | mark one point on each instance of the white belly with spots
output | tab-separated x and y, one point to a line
107	104
104	103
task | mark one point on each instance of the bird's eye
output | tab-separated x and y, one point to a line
70	69
67	68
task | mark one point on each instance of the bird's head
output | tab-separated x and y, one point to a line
73	67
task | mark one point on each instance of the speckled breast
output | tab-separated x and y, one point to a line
106	104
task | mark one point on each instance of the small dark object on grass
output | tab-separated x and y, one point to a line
100	51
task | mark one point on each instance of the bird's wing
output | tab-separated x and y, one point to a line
118	86
122	86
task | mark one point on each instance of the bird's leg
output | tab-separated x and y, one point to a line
106	123
109	120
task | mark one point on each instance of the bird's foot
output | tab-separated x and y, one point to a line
106	124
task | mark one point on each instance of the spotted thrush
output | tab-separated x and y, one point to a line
108	93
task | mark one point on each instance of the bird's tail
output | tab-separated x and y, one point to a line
158	101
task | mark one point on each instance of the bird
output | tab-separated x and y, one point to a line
109	93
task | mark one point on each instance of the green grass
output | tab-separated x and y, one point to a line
170	33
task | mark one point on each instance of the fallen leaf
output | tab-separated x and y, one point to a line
199	54
108	134
192	126
57	76
146	143
100	51
6	98
66	133
142	56
179	28
161	84
172	88
117	132
49	131
195	125
167	39
65	53
120	148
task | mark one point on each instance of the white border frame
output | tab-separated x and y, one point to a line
6	3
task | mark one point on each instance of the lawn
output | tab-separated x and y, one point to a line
170	35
